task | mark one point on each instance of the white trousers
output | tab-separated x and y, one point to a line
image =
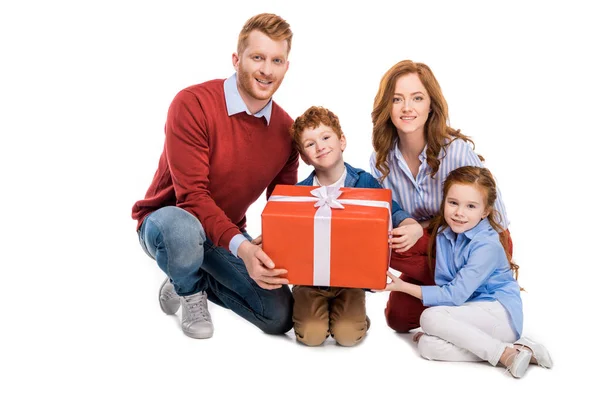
475	331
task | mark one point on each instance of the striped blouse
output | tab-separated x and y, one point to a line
422	197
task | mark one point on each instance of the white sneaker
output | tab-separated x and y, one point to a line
195	318
168	298
520	363
540	353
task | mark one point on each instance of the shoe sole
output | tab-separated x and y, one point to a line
520	364
198	336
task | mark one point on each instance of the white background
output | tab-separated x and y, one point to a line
84	93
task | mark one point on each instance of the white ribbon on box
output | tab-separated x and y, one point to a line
325	199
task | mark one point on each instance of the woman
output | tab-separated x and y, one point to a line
414	151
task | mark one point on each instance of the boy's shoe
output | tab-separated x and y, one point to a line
520	363
195	318
541	355
168	298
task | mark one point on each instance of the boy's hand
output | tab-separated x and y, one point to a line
405	235
260	267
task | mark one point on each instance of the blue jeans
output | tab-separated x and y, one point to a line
176	240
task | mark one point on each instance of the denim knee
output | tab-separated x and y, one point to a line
179	234
279	319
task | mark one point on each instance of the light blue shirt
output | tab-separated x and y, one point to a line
472	266
235	104
422	196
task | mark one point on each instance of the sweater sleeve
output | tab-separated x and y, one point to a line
288	174
187	147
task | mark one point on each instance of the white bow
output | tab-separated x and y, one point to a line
327	196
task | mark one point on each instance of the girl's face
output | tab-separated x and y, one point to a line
410	105
464	207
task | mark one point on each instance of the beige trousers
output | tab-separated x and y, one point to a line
320	312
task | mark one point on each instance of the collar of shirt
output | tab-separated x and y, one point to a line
236	105
339	183
484	224
423	168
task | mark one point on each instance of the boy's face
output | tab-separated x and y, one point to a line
322	148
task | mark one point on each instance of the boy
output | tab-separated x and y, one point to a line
341	312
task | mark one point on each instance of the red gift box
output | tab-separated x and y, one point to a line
329	236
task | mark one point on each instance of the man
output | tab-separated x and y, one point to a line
226	141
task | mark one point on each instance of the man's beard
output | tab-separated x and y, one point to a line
247	83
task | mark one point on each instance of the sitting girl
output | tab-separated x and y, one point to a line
475	310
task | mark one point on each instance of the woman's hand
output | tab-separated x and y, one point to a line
405	235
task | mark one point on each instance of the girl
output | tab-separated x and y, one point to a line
475	311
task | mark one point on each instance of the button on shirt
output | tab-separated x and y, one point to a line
421	197
472	266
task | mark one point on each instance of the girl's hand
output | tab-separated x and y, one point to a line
396	283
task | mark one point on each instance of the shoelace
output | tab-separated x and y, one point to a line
197	307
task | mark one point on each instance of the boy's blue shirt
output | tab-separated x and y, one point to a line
357	178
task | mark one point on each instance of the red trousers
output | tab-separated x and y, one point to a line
403	311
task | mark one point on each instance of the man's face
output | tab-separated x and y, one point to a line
260	69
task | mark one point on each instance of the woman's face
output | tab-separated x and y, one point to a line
410	105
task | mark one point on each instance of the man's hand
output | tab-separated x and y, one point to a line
260	267
405	235
257	241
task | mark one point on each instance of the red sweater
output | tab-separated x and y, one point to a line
215	166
